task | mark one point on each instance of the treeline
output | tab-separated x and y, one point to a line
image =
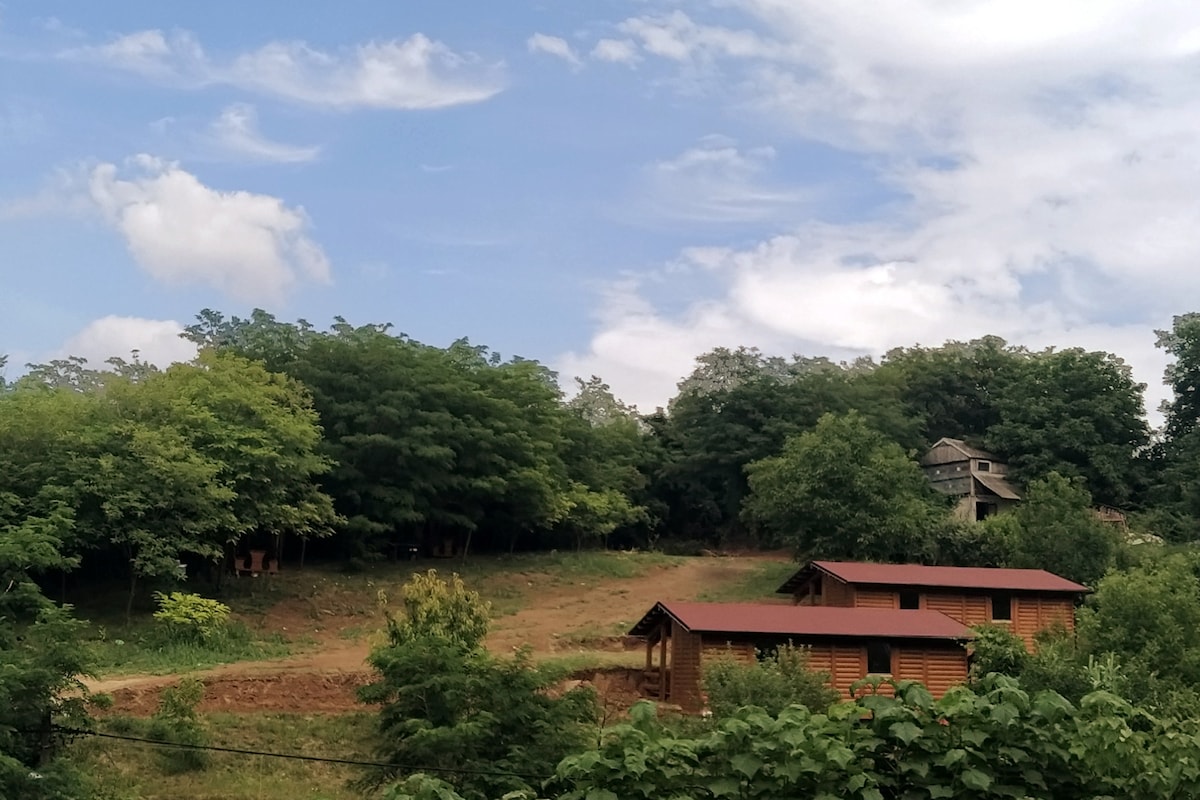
369	439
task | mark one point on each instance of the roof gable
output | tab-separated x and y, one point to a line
967	450
765	619
981	578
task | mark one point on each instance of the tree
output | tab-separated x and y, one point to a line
1175	461
1149	616
1054	529
1077	413
40	657
954	389
774	682
260	429
447	703
843	490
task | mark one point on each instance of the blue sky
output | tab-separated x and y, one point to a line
609	187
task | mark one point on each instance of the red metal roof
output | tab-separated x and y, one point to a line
992	578
803	621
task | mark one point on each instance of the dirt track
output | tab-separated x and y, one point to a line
325	680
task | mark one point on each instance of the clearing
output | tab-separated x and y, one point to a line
572	609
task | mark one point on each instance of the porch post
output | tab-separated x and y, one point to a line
662	662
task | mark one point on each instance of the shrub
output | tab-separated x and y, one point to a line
449	704
190	617
176	722
776	681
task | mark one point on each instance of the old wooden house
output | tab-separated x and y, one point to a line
972	475
847	643
1025	600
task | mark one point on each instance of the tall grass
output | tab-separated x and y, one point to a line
758	585
131	771
149	649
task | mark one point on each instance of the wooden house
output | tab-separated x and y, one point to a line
847	643
1025	600
972	475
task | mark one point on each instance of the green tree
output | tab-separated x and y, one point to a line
843	490
1054	529
447	703
774	682
954	389
1149	616
1076	413
40	657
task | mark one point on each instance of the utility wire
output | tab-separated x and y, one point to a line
303	757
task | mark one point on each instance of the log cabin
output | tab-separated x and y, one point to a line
846	643
1025	600
974	476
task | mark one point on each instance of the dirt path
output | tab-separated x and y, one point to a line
558	618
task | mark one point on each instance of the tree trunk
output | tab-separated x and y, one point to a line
467	546
303	547
132	592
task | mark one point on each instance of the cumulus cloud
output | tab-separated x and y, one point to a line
1045	157
236	133
412	73
554	46
715	182
156	341
616	51
251	246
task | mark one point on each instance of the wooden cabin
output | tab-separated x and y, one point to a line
973	475
1025	600
847	643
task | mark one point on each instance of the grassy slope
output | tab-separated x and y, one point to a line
132	771
323	595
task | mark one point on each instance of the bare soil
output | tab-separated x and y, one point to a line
558	619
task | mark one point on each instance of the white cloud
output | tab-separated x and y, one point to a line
1045	157
716	182
236	132
616	51
250	246
157	341
553	45
412	73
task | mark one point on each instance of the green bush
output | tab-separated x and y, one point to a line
776	681
176	722
190	617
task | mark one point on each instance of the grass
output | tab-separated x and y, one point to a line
569	663
757	585
143	649
324	595
587	635
130	771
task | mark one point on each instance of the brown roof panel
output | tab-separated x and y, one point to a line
805	621
991	578
998	486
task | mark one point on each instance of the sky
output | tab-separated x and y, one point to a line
612	188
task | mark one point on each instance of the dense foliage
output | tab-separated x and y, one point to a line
775	681
998	741
449	704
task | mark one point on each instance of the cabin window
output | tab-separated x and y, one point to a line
985	466
910	599
879	658
1002	607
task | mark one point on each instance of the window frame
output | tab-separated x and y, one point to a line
1008	598
882	649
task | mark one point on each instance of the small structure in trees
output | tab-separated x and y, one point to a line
973	475
848	644
1024	600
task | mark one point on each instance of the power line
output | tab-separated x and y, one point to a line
304	757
